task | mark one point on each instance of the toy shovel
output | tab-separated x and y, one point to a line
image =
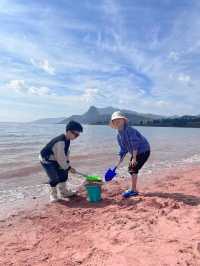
92	178
111	173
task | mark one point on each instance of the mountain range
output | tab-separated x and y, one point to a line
102	116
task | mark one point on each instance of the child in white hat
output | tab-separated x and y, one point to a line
130	141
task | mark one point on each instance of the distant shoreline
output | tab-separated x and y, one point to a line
138	125
100	124
105	124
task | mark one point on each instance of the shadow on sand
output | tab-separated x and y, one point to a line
179	197
81	202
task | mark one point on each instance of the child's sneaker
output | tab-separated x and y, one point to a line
53	194
130	193
64	192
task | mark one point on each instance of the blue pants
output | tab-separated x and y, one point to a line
55	173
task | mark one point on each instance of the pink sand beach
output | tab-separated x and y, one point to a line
160	227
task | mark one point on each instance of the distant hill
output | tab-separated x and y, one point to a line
182	121
101	116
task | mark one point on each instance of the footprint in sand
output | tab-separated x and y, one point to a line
173	219
97	257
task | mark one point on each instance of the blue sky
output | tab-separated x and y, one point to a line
59	57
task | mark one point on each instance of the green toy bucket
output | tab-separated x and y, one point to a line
93	192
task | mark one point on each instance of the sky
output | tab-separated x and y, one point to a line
57	58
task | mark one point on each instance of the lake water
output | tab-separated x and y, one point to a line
21	175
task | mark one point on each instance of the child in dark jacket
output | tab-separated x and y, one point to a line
54	158
130	141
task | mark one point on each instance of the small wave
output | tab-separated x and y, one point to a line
15	144
193	159
152	167
22	193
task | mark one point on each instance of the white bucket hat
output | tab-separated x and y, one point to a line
117	115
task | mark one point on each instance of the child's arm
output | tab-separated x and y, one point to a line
133	140
134	157
71	169
120	161
59	155
123	150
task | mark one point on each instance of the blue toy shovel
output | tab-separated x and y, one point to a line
111	173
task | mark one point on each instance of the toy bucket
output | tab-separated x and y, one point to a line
93	192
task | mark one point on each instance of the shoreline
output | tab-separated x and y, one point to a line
160	227
29	196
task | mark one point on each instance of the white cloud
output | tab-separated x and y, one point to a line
184	78
44	65
41	91
19	86
93	91
89	94
174	56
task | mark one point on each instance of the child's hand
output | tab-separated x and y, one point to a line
72	170
133	162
